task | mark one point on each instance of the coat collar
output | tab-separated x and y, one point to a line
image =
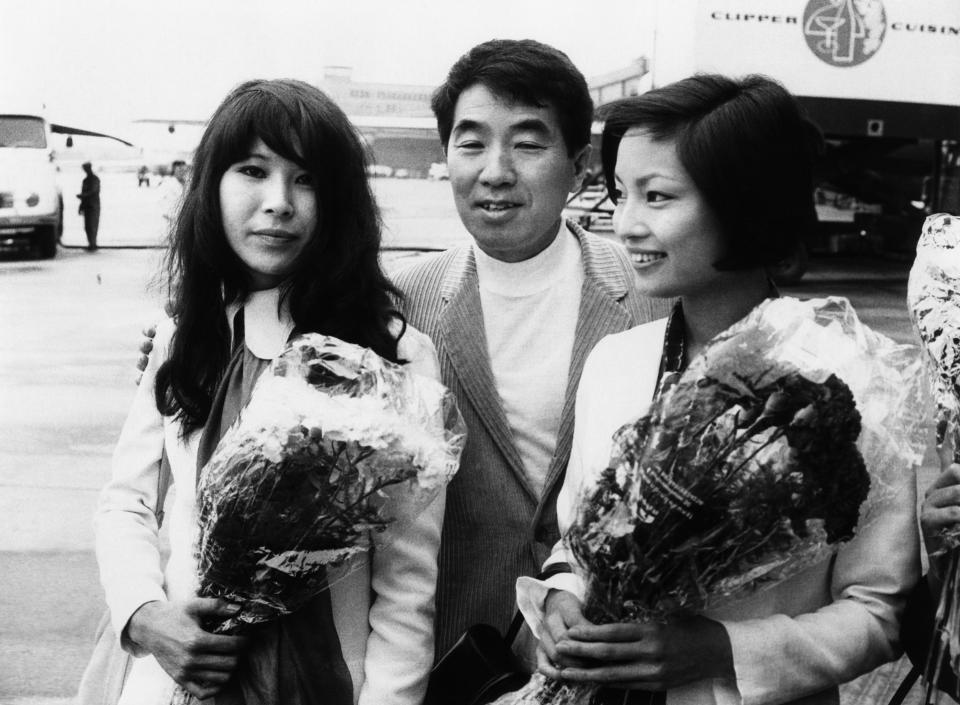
600	266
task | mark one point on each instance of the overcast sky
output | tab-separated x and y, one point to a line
101	63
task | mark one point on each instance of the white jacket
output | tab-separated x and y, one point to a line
383	609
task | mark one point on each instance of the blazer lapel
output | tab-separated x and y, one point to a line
461	325
601	313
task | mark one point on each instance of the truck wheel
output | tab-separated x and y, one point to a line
47	243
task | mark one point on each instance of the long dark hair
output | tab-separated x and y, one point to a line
338	287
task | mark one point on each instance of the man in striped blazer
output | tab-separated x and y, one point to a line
513	314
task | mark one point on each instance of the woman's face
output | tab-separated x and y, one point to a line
270	213
670	233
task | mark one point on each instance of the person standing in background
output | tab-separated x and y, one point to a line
90	205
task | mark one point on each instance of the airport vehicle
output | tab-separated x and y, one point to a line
590	206
880	77
31	205
438	172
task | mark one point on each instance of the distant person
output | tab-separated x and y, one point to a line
172	192
143	177
90	205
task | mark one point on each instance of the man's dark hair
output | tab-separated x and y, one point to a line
747	146
525	71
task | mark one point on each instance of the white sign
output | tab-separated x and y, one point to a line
896	50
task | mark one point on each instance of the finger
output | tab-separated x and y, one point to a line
943	496
546	666
555	625
211	607
220	644
149	331
200	690
219	662
211	678
617	632
636	674
935	520
605	652
948	478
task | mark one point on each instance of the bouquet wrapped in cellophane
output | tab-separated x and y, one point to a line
933	296
779	441
336	450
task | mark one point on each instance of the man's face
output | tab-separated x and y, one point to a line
510	172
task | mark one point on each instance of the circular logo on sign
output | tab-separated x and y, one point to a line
844	32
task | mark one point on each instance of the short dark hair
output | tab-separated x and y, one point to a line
749	149
338	287
524	71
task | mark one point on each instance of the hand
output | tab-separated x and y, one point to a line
146	347
940	512
199	661
651	656
562	610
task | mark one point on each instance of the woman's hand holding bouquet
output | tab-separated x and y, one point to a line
630	655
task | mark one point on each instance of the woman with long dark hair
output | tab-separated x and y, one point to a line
278	235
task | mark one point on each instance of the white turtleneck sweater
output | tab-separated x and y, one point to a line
530	311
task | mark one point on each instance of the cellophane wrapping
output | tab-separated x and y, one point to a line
782	439
338	448
933	297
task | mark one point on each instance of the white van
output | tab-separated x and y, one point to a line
31	205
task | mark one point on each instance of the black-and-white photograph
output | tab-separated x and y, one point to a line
524	352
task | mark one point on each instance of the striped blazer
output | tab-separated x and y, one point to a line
496	526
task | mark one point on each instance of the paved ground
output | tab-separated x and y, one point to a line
68	332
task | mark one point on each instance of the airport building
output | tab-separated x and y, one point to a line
399	127
395	120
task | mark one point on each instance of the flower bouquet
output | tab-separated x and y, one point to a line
337	448
781	439
933	296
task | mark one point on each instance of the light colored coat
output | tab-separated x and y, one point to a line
383	608
496	526
794	642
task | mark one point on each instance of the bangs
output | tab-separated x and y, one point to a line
280	124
